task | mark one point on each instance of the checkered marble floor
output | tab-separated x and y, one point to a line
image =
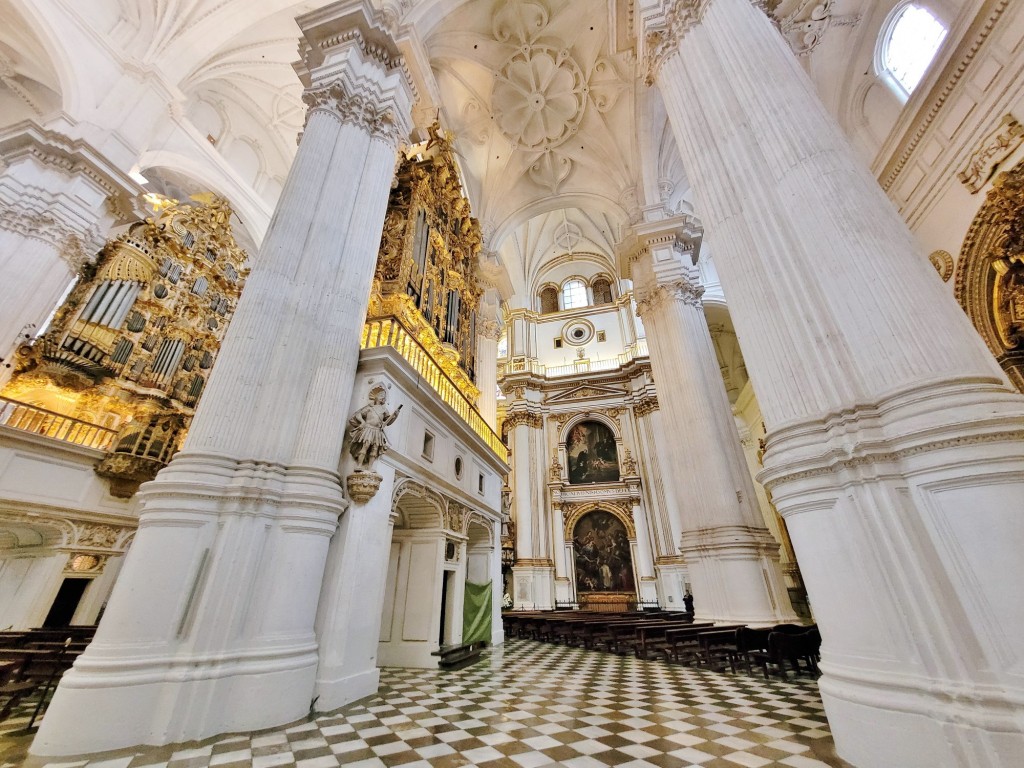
533	705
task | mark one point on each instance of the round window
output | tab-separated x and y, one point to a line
578	332
458	467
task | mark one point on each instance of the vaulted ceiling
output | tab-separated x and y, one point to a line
551	121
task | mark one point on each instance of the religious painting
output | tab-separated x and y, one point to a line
590	448
603	559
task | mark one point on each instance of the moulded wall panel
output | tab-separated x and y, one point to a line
955	115
390	586
45	477
419	611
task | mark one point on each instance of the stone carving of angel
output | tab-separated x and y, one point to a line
366	428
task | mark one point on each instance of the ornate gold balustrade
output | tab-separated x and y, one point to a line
389	332
530	365
57	426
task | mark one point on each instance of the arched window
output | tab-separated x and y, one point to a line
602	288
549	299
574	294
909	41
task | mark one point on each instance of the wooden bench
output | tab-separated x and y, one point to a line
683	645
459	655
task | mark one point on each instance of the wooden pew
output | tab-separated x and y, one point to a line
652	637
683	645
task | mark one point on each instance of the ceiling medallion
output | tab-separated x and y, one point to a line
548	93
539	97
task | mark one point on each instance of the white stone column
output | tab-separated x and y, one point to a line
534	571
211	624
894	440
731	558
643	559
57	198
489	332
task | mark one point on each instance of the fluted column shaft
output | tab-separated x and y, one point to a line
731	559
533	573
211	625
894	447
487	369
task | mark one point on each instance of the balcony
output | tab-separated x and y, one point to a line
57	426
389	332
530	365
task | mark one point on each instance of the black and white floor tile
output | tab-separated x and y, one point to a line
533	705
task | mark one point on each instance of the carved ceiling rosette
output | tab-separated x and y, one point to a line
535	97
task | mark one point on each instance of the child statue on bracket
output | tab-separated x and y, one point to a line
366	428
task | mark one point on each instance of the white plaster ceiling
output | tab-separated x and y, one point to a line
542	109
549	239
29	86
548	115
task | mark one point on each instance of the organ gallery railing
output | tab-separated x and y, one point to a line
388	332
57	426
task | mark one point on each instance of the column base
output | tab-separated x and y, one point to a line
907	516
181	700
672	581
883	723
736	576
209	629
334	694
534	587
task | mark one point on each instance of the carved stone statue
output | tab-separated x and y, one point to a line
366	428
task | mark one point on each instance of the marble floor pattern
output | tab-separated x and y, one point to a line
526	705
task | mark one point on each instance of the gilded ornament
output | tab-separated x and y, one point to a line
990	272
943	263
130	348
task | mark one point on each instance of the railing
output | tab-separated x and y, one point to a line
388	332
57	426
530	365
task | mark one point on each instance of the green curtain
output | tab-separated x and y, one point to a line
476	613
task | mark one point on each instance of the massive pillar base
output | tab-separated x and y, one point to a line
735	575
917	503
204	631
533	586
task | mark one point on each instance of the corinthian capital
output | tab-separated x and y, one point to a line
354	72
360	108
683	289
664	31
488	328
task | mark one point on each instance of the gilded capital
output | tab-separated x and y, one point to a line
530	419
489	329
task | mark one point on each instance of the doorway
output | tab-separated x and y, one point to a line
66	603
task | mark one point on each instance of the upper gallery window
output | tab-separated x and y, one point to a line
549	299
602	291
574	294
909	41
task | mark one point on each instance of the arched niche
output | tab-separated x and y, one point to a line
990	273
591	451
603	560
417	507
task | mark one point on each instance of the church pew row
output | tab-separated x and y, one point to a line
674	637
32	661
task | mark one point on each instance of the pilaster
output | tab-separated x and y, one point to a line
211	625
